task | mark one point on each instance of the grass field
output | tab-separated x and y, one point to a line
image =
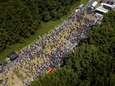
84	1
42	29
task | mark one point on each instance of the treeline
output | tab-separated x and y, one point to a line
92	63
19	19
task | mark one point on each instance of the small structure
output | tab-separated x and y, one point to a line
110	2
90	10
13	56
80	6
94	4
76	10
108	6
99	18
101	10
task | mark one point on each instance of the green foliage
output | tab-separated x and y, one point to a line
92	63
19	19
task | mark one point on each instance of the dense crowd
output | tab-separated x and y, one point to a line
49	51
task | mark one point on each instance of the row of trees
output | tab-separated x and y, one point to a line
19	19
48	9
92	63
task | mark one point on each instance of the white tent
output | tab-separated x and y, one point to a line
94	4
108	5
101	9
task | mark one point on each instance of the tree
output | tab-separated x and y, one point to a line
92	63
19	19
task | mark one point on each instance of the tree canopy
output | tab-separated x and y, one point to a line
92	63
19	19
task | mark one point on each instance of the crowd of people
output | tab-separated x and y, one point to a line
49	51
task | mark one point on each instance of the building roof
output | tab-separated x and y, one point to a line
76	10
94	3
101	9
98	14
81	5
108	5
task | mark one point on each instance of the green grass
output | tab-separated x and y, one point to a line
42	29
84	1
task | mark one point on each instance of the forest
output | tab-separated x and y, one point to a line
19	19
92	63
